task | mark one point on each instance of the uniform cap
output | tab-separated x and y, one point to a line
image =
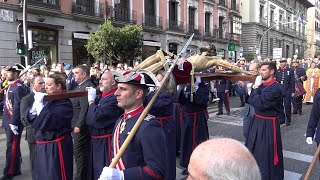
67	67
14	68
140	77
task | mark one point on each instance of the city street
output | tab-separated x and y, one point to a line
297	153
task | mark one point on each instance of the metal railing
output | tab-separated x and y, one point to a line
152	21
175	25
209	1
194	29
121	14
89	8
52	4
221	34
263	21
235	37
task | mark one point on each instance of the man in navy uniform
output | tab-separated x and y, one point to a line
223	87
145	156
313	128
285	77
194	129
299	77
11	122
70	80
239	85
101	117
264	138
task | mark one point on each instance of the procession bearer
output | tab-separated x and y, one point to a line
145	156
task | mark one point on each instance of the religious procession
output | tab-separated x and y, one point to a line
121	122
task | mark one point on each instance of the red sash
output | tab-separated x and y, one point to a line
8	102
161	119
58	140
275	148
116	146
194	131
108	136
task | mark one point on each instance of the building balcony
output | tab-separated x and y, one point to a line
235	37
209	1
50	4
221	34
280	3
223	3
194	29
177	26
153	22
263	21
121	15
235	7
89	8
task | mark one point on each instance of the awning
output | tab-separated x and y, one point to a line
81	36
38	24
151	43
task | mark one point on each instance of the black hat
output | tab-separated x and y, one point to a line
15	68
140	77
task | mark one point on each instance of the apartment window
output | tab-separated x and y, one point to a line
288	20
271	17
207	21
192	13
261	12
173	11
280	17
258	40
279	44
271	46
150	7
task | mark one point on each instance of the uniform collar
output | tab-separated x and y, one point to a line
14	82
284	68
268	82
134	112
112	91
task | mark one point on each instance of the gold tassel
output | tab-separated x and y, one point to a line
192	84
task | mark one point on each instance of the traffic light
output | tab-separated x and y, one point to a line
20	48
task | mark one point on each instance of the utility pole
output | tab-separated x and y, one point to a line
25	32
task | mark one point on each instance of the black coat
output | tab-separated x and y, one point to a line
26	103
80	106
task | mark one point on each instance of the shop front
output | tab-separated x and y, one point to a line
79	52
45	44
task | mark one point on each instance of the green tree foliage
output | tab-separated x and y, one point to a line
114	44
250	57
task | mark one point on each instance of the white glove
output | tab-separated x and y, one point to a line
111	174
92	93
249	88
215	90
38	97
258	81
309	140
14	129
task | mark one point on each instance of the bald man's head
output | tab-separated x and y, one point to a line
223	158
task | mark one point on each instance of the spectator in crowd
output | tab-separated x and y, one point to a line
222	158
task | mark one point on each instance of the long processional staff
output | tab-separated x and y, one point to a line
145	156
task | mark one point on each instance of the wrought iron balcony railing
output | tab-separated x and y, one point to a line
209	33
121	14
263	21
89	8
221	34
152	21
51	4
175	26
194	29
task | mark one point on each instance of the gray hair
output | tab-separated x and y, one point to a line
233	168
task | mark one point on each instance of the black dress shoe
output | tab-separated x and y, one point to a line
288	124
294	113
228	113
185	172
219	113
242	105
5	177
300	113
